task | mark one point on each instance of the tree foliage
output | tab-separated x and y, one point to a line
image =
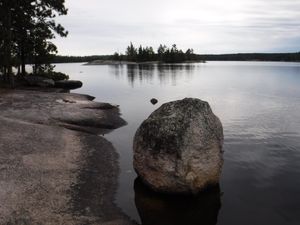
275	57
26	30
163	54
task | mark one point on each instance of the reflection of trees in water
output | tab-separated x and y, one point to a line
160	209
166	73
175	67
117	70
140	72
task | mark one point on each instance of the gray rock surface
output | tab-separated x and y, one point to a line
73	111
178	149
53	175
68	84
154	101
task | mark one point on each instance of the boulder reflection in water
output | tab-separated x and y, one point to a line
159	209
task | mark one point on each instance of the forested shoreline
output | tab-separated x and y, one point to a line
173	54
276	57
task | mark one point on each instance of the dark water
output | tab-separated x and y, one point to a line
259	106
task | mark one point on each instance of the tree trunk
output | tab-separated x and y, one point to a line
9	61
19	70
23	65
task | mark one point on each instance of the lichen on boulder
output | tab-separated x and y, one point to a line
178	149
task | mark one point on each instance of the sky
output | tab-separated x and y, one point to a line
98	27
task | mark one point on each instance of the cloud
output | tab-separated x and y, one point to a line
211	26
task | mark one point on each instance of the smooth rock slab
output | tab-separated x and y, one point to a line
178	149
51	175
74	111
68	84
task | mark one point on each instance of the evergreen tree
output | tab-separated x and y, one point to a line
26	28
131	52
164	54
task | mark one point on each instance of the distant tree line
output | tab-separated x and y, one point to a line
279	57
284	57
79	59
26	30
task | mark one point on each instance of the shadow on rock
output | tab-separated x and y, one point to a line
158	209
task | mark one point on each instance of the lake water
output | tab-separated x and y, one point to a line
259	106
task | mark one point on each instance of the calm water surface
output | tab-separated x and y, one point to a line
259	106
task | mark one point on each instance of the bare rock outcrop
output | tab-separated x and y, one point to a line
178	149
74	111
53	175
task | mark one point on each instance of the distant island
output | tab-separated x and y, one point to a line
164	54
134	55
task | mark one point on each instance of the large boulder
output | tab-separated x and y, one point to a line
178	149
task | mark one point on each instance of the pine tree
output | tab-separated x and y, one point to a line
26	28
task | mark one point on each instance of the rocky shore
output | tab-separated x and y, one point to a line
54	166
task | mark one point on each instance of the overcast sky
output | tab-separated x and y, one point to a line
208	26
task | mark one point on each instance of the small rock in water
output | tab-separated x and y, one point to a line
154	101
178	149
